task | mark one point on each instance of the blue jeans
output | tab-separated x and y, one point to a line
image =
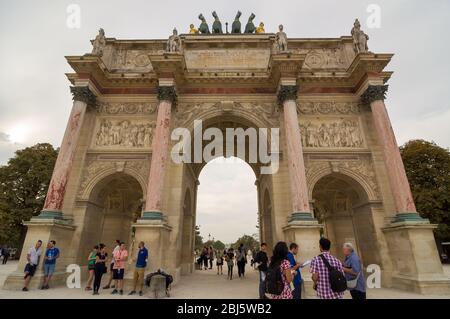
262	285
297	292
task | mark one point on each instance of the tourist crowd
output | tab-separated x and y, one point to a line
279	276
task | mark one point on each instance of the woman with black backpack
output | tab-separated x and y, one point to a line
279	274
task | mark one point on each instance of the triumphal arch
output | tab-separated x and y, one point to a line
339	173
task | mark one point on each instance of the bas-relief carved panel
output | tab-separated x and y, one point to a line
113	133
331	133
360	166
326	58
132	60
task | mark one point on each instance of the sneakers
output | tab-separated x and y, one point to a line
114	292
95	293
24	289
132	293
45	287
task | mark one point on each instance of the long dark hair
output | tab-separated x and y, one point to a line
280	252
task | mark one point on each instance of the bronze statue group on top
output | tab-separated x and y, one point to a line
236	27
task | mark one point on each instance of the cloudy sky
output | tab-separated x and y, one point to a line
35	100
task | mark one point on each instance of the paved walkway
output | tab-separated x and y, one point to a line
201	284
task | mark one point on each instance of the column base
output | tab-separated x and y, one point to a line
45	229
301	216
415	259
49	214
155	234
153	215
306	234
409	217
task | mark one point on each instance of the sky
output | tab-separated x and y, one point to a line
34	93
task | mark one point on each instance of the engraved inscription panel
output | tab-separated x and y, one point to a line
227	59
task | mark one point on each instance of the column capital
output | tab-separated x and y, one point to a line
287	92
167	93
83	94
374	93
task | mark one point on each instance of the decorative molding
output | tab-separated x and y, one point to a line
287	92
167	93
83	94
361	170
126	108
325	108
374	93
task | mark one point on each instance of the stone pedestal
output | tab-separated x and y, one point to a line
415	260
44	229
155	235
306	234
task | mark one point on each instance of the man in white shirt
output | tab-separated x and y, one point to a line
116	248
33	260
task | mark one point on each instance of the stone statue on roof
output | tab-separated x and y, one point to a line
359	38
281	39
174	42
99	43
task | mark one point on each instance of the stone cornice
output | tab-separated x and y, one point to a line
287	92
167	93
374	93
83	94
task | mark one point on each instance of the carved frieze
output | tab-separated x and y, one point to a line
117	133
126	108
137	60
331	133
187	112
331	107
325	58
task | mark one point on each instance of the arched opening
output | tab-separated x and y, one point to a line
114	205
227	200
342	206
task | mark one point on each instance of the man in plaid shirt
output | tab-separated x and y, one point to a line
320	273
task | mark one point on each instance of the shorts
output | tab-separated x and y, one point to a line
30	269
49	269
118	274
91	267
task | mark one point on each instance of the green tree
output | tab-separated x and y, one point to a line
249	242
428	169
198	239
23	186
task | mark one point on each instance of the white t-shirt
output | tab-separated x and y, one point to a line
117	248
34	255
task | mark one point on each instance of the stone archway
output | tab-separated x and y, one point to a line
114	204
221	121
343	207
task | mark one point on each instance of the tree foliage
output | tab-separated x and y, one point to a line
23	186
250	242
428	169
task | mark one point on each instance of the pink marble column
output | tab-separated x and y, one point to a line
287	96
160	153
82	97
401	191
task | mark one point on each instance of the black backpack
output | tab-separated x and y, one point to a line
337	279
274	280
